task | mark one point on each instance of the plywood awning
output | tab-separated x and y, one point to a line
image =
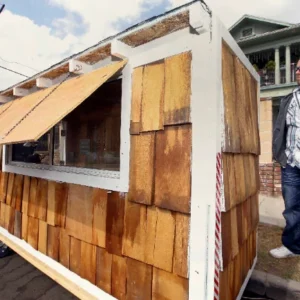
27	120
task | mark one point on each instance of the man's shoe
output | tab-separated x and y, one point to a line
5	251
282	252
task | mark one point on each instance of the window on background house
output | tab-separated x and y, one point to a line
89	137
247	32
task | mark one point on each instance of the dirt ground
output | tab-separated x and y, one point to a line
269	237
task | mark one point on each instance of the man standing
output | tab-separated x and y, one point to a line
286	151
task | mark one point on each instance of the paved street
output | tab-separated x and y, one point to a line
20	280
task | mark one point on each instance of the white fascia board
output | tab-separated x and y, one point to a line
199	18
120	49
4	99
20	92
79	67
43	82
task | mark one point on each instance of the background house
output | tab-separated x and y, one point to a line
273	48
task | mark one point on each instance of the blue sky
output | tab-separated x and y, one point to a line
38	10
44	13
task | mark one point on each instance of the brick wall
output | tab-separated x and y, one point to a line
270	179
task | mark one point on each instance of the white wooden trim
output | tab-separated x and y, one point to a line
43	82
4	99
79	67
172	44
20	92
205	72
199	18
243	288
63	276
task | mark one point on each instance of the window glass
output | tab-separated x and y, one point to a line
35	152
89	137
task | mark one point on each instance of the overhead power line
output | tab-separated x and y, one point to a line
14	72
17	63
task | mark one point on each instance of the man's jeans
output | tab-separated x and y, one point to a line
290	178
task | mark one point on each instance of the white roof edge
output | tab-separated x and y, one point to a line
108	40
256	18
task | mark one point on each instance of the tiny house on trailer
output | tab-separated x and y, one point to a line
130	170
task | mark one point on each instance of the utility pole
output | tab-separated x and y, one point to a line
1	7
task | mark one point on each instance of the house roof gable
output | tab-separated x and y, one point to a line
259	19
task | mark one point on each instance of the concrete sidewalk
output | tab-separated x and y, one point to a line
273	287
270	210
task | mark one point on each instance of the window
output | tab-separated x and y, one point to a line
247	32
89	137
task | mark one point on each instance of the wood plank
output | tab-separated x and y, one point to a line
173	165
99	217
232	135
229	180
135	231
234	233
9	219
75	255
240	178
38	199
103	273
18	224
118	277
164	240
57	203
177	89
61	200
24	227
18	192
115	222
180	262
226	236
32	196
242	109
88	262
64	248
141	187
53	242
2	214
3	186
254	108
152	216
33	232
26	193
10	186
51	207
169	286
153	97
139	280
224	286
79	218
43	237
250	112
136	100
254	212
237	282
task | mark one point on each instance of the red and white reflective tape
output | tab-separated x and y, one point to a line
218	237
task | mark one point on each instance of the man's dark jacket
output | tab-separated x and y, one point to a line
280	131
